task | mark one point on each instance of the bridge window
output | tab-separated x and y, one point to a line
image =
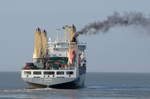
60	73
37	73
49	73
27	72
69	72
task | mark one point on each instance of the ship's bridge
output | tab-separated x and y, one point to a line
60	48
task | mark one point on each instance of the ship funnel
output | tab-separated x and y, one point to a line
72	49
71	33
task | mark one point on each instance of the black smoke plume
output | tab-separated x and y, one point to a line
126	19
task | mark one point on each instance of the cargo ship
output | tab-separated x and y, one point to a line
58	63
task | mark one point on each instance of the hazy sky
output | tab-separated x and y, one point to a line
120	50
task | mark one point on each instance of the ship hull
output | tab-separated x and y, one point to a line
61	83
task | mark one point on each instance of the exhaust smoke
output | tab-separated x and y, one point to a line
126	19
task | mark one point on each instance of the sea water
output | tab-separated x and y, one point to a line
98	86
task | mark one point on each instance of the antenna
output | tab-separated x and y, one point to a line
50	39
65	36
57	38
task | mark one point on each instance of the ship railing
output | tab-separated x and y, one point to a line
48	73
61	68
64	44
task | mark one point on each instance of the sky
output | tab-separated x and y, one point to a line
122	49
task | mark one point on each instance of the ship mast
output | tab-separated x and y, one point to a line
72	48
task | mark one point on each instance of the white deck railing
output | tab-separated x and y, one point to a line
48	73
